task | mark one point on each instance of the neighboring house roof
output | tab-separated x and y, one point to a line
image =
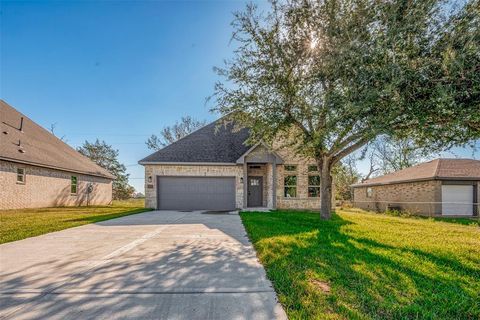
213	143
438	169
24	141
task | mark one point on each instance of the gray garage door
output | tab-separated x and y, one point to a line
196	193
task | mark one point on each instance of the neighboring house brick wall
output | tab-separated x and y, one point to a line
420	197
48	188
154	170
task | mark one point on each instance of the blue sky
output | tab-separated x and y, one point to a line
115	70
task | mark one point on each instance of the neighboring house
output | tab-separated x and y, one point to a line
39	170
213	168
438	187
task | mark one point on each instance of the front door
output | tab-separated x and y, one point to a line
255	191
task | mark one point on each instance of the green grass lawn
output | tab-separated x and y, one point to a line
361	265
25	223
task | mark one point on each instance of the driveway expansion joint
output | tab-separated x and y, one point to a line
157	264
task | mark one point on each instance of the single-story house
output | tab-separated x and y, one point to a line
213	168
39	170
448	187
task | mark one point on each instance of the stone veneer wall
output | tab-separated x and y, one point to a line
302	200
269	185
48	188
396	194
154	170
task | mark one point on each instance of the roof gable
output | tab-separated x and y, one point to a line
443	169
260	153
24	141
213	143
458	168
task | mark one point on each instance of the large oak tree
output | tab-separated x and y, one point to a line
329	76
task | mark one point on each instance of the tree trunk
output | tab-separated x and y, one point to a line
325	188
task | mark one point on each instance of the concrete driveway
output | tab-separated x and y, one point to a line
154	265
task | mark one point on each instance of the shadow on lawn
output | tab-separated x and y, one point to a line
368	278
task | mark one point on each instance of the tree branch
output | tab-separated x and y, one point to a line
345	152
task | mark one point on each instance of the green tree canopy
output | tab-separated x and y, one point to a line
107	157
171	134
330	76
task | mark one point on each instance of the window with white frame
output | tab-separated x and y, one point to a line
21	175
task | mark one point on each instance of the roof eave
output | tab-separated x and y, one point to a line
107	176
360	185
186	163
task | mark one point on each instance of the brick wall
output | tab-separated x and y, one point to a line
302	200
48	188
189	170
396	194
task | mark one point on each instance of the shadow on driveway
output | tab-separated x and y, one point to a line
159	264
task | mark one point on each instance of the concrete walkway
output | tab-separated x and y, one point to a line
154	265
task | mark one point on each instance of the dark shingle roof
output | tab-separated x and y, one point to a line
39	147
212	143
442	169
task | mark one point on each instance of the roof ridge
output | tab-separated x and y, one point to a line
218	141
433	169
186	136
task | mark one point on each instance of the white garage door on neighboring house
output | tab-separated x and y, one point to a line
457	200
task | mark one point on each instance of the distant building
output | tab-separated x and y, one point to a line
39	170
448	187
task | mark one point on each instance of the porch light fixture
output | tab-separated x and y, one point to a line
149	179
241	179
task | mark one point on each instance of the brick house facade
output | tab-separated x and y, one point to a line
39	170
302	200
183	174
434	188
44	187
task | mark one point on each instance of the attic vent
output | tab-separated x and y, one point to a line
21	150
255	167
5	132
